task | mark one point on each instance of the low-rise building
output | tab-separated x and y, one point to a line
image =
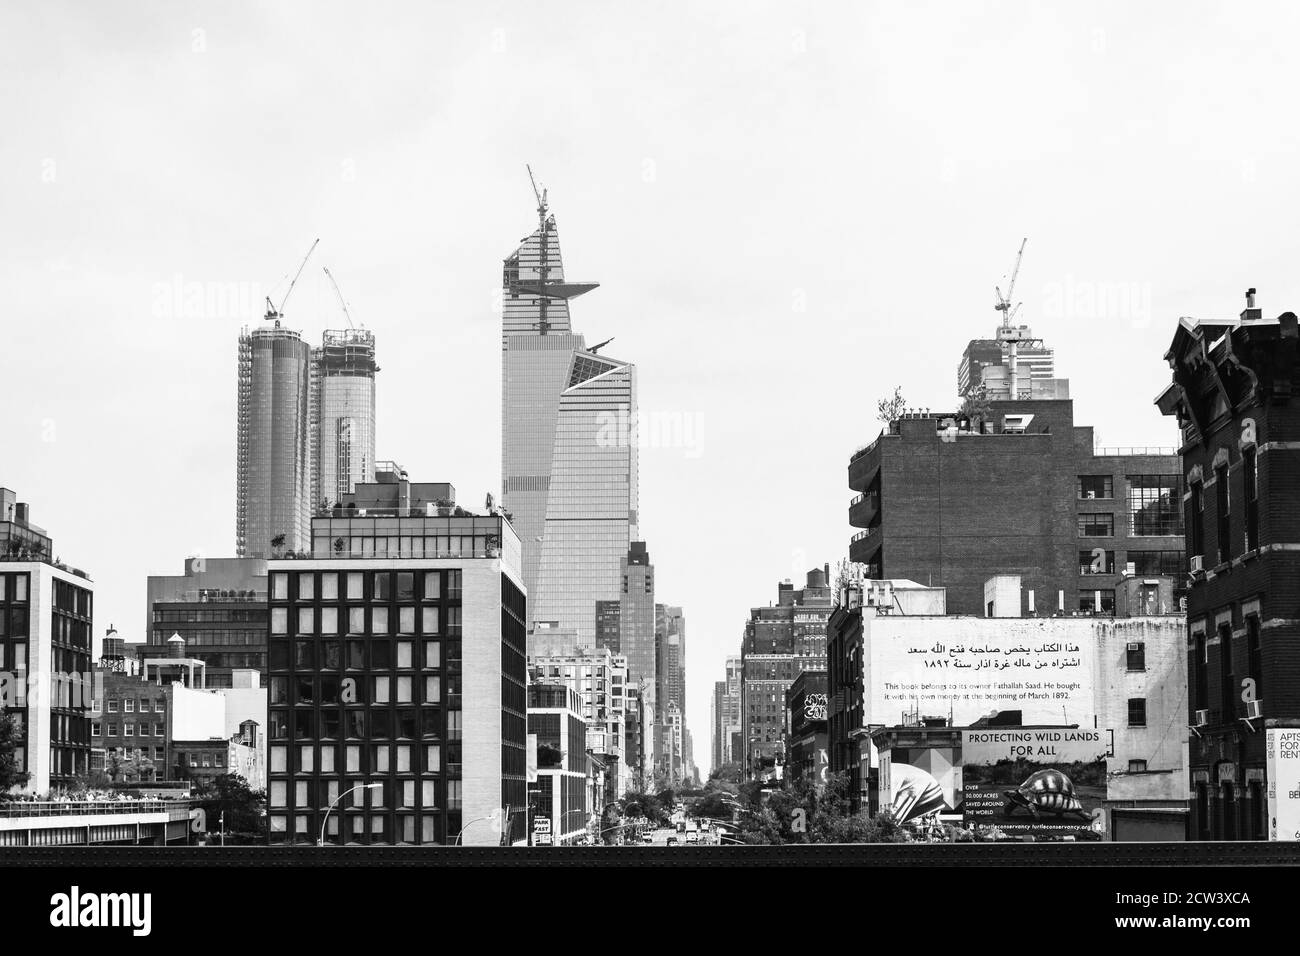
558	805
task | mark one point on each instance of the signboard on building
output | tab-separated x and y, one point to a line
1043	782
542	831
920	782
1282	759
966	668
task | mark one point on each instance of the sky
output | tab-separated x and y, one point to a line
791	209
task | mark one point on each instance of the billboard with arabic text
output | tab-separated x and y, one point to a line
971	667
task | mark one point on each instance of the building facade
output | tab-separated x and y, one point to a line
781	641
274	442
948	501
397	657
218	606
46	652
1233	395
343	414
558	800
569	448
805	712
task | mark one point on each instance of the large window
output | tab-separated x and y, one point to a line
1250	481
1155	504
1097	561
1150	563
1137	712
1096	526
1224	502
1096	486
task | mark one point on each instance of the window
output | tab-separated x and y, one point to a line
1096	561
306	620
329	586
279	620
1224	504
1250	480
1097	602
1137	766
406	620
383	587
94	728
1137	712
1137	656
279	586
1200	668
1153	563
405	586
356	620
379	620
128	729
432	585
128	705
1096	525
112	705
144	705
306	587
432	654
1195	521
1227	676
329	620
112	730
355	586
1155	504
1096	486
1254	655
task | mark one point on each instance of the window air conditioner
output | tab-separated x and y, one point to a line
1254	709
1134	646
1202	718
1197	564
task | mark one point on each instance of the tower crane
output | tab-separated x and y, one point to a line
1003	303
271	311
346	313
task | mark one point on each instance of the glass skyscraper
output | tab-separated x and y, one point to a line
343	414
273	493
569	457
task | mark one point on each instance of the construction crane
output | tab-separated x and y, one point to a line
597	348
540	194
1003	303
346	314
271	311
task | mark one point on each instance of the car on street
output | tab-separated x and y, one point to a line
671	841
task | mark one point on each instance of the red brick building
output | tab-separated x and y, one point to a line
1233	393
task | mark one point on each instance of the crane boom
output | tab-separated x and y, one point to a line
295	276
346	313
1003	304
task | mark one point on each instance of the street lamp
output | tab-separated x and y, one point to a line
491	816
364	786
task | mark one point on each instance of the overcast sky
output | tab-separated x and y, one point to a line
791	208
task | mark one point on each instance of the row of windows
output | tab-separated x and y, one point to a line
193	615
128	729
13	588
383	758
129	705
375	654
364	724
382	690
367	585
362	828
1101	561
1223	508
363	620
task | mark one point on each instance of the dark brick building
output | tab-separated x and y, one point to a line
1233	395
781	642
949	500
805	707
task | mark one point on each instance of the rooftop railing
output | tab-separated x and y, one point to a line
1134	450
68	808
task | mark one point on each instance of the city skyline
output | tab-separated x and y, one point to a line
113	241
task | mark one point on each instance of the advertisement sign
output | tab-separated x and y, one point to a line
967	668
541	831
1282	757
1041	782
920	782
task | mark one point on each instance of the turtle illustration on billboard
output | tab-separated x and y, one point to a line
1046	791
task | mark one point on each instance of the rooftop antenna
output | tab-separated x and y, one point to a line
346	313
271	311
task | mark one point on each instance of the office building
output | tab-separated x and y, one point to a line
46	628
218	606
569	443
274	443
1233	395
558	799
397	658
1014	487
986	365
781	642
726	714
599	678
343	414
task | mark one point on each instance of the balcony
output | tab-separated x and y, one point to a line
863	465
863	509
864	545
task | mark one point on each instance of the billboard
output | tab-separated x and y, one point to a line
920	782
971	667
1282	758
1045	783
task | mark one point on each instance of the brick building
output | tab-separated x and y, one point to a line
949	500
1233	396
781	642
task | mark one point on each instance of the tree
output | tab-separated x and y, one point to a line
975	407
277	543
244	807
714	804
11	736
889	410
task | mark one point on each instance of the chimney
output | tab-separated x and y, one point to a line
1250	313
403	495
21	514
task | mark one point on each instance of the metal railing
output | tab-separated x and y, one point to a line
67	808
1102	452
